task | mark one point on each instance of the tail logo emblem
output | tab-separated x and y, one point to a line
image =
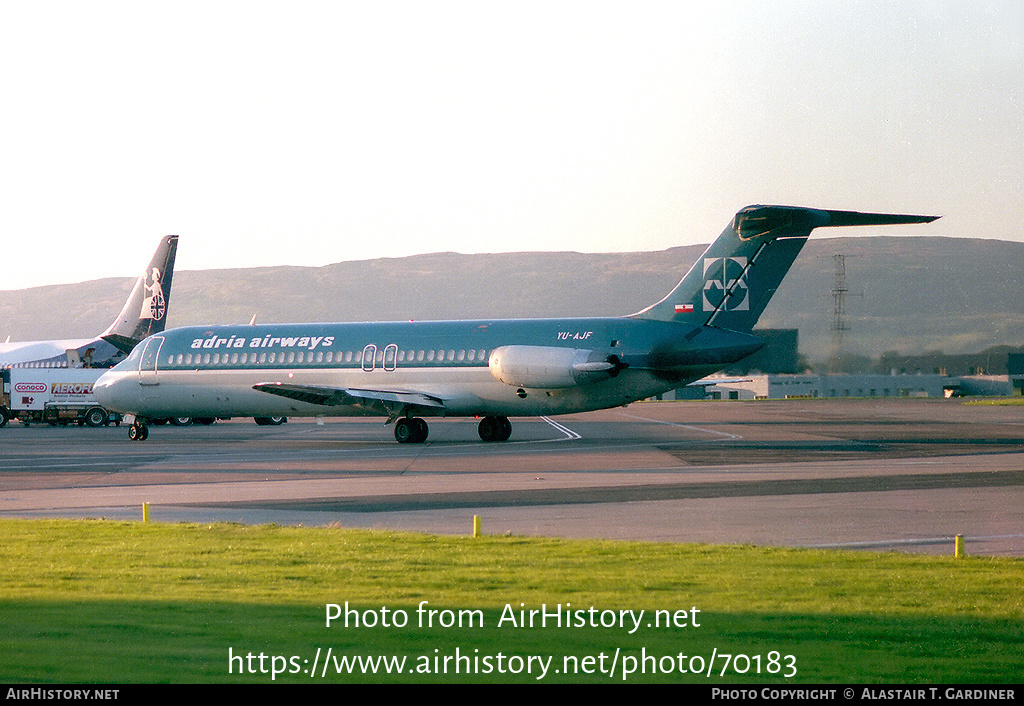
154	306
726	274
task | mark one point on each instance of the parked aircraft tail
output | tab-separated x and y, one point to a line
733	281
145	311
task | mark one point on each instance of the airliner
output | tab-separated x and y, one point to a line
144	313
490	369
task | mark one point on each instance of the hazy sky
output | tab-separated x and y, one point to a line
307	133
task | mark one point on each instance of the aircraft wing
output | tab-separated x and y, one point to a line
347	396
708	382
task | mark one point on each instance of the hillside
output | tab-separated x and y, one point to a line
910	294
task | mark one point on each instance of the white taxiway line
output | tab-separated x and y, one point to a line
562	428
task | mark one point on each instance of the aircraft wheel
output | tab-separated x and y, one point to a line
411	430
138	432
504	428
95	417
495	429
404	431
181	421
422	430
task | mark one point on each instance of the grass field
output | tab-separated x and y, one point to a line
117	602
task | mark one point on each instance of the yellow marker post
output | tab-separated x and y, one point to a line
958	552
476	526
145	512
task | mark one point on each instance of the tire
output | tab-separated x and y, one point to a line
404	431
181	421
422	430
495	429
96	416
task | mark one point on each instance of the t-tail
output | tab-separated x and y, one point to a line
145	312
733	281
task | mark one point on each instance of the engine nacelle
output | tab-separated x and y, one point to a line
548	367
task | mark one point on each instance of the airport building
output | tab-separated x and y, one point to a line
831	386
772	373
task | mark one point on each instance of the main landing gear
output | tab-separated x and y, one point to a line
495	429
413	430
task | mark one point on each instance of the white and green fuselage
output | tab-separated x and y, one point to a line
493	369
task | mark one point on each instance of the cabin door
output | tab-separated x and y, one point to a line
149	360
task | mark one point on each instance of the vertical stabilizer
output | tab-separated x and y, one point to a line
733	281
145	312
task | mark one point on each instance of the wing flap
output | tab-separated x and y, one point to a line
347	396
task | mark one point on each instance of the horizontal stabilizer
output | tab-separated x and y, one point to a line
854	218
733	281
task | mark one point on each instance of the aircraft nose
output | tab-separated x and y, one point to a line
105	390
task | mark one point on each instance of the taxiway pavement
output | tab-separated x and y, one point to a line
892	474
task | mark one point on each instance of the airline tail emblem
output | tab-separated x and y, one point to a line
154	305
725	284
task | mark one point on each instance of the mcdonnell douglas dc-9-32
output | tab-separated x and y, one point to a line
491	369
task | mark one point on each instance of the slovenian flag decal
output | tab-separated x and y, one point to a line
684	308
